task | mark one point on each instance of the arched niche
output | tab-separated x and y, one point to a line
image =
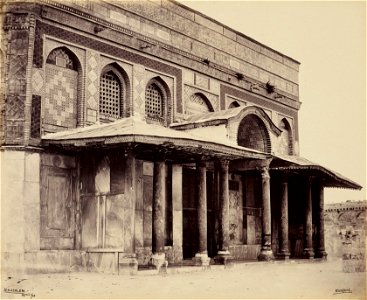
253	134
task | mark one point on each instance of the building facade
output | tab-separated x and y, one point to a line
146	133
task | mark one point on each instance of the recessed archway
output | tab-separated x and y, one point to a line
253	134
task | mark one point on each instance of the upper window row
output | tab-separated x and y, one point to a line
113	86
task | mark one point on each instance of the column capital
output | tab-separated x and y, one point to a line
201	163
265	172
224	163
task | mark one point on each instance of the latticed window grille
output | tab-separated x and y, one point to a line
110	104
154	104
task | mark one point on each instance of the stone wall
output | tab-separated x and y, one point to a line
345	228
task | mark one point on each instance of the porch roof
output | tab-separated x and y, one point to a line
301	166
135	131
216	117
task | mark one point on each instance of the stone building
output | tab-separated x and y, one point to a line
146	133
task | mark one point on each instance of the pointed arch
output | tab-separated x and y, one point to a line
114	93
62	107
158	101
286	138
253	134
198	103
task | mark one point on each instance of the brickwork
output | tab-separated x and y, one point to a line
252	134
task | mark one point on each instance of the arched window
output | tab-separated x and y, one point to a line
61	106
154	102
198	104
157	97
110	99
286	141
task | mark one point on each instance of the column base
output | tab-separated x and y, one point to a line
321	254
266	255
223	258
283	255
128	265
201	259
308	253
159	262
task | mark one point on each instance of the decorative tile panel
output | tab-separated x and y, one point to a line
15	106
36	116
60	105
37	81
139	85
92	76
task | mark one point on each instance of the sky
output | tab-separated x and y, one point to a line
328	38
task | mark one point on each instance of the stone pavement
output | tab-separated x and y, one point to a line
252	280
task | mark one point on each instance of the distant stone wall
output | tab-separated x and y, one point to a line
345	229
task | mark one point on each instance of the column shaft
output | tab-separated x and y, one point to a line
320	251
224	205
266	251
159	206
202	207
284	244
308	248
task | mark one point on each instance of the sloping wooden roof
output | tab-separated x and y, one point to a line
302	166
132	130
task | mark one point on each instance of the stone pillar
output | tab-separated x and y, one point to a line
177	216
266	252
308	248
320	251
284	243
201	258
159	206
223	256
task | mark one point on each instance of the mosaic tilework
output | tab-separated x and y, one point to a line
113	51
15	106
36	116
92	76
139	85
60	105
37	81
16	87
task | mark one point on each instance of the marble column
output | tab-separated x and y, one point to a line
284	222
201	258
308	247
223	255
266	252
320	250
159	206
